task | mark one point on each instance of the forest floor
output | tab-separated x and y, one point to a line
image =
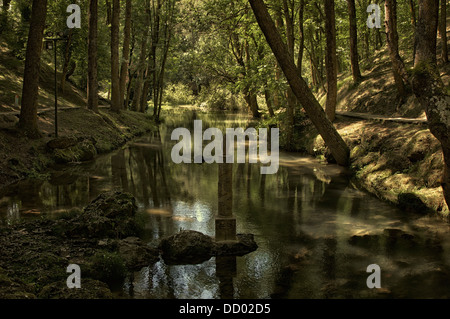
393	153
83	133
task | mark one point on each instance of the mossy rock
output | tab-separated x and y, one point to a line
106	266
110	215
90	289
83	151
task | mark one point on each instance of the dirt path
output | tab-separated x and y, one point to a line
373	117
49	109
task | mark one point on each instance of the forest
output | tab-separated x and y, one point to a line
90	92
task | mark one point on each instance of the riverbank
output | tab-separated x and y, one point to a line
82	135
399	163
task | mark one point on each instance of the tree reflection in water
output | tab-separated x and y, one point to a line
316	233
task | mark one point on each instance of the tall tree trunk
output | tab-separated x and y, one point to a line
291	100
125	53
301	31
116	104
249	93
30	90
108	12
412	9
155	40
92	94
354	58
4	16
331	137
443	30
331	60
428	86
67	56
269	102
137	96
398	67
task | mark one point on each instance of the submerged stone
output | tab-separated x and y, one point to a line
192	247
187	247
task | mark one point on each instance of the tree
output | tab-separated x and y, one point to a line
141	68
354	58
116	104
398	67
92	91
333	140
331	60
428	86
125	53
4	15
443	30
30	91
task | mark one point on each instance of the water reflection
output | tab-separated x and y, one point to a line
316	233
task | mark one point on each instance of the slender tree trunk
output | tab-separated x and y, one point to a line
67	56
301	31
354	58
443	30
155	40
412	9
269	102
116	104
92	94
30	90
4	16
291	99
331	60
331	137
125	53
398	68
108	12
428	86
137	96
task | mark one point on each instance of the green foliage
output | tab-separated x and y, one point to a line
179	94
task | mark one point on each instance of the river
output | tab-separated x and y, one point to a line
316	232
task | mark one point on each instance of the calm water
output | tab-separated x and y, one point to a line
316	233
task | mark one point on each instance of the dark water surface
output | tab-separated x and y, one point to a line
316	233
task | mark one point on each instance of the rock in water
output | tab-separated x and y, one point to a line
245	244
192	247
187	247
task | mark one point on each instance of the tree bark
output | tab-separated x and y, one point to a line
30	90
125	53
333	140
301	31
136	106
4	15
331	60
443	31
67	56
116	105
354	58
92	92
398	67
428	86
